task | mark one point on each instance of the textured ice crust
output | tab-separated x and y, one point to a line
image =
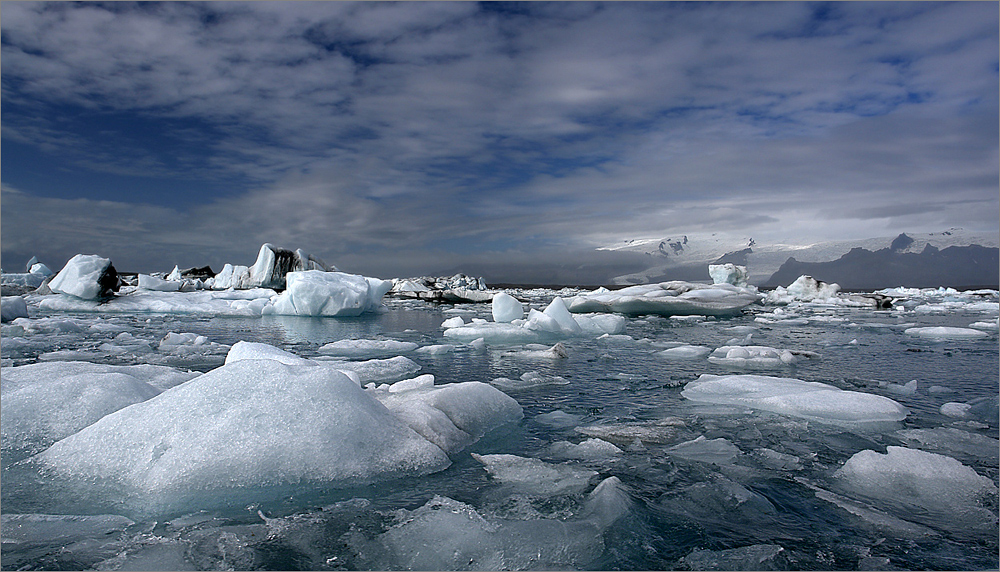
45	402
809	400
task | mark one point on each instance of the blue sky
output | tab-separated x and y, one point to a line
397	139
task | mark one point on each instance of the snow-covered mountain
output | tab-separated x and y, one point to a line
684	257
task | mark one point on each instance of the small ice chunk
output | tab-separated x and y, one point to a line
588	450
506	308
757	357
243	350
944	333
529	380
627	434
955	409
718	451
535	476
188	338
436	349
454	322
686	352
908	389
354	348
559	418
426	380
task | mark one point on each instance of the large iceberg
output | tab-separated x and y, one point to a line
86	276
668	299
806	399
250	423
320	293
729	273
273	265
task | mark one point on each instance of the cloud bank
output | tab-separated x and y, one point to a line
408	138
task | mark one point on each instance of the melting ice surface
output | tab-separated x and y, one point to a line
517	435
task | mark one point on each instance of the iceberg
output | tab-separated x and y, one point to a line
216	303
804	289
668	299
232	278
320	293
454	289
506	308
249	423
729	273
86	276
273	265
922	482
12	308
809	400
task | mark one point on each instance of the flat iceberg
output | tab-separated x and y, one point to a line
148	282
319	293
944	333
668	299
354	348
223	303
686	352
534	476
250	423
806	399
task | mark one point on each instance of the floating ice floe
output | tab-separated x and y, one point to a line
587	450
787	396
953	442
944	333
86	276
718	451
657	432
45	402
922	482
552	323
224	303
462	538
12	308
354	348
758	357
667	299
529	380
804	289
534	476
686	352
320	293
148	282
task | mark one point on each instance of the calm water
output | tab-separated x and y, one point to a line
682	513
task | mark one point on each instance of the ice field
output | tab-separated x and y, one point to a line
571	430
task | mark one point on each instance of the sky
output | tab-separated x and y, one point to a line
414	138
